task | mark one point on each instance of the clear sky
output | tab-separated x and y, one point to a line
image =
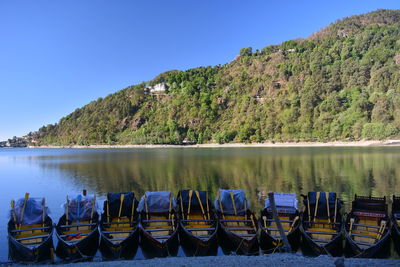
56	56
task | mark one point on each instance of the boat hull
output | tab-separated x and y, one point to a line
83	250
269	244
42	253
152	248
396	236
233	243
194	246
333	248
125	250
378	250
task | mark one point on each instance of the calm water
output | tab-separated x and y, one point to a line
54	173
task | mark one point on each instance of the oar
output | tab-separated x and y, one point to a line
133	208
13	211
66	211
293	224
233	203
201	204
265	222
316	206
252	221
93	205
172	222
381	229
170	206
208	210
327	205
245	209
308	206
23	209
108	210
351	226
182	211
121	202
43	211
145	205
190	202
220	206
336	202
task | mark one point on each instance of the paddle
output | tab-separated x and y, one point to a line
265	222
381	229
327	205
23	209
170	207
66	212
220	206
208	210
190	202
308	207
13	211
121	202
293	224
334	217
245	210
286	244
252	220
233	203
201	204
183	213
108	210
43	211
133	209
145	205
93	205
316	206
351	225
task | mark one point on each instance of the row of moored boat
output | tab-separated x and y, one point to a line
159	224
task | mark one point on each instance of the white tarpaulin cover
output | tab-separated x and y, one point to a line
80	207
33	212
158	201
231	200
283	200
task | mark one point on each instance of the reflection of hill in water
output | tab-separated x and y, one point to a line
347	171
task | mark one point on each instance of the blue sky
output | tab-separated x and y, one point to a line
56	56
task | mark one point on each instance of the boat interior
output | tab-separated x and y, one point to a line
368	220
159	225
322	223
118	228
288	222
196	213
30	234
242	225
396	210
78	221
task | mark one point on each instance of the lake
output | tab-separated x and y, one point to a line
54	173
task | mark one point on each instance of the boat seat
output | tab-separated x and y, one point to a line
30	229
72	234
200	229
366	226
117	232
31	237
369	214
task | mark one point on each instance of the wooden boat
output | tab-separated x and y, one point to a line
77	230
158	225
396	223
322	226
119	231
30	231
238	227
270	239
198	231
367	228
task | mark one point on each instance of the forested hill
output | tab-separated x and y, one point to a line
341	83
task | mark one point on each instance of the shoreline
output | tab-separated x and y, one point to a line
362	143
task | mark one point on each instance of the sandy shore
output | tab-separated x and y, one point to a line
275	260
363	143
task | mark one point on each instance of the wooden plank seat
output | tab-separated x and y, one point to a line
200	229
30	229
118	231
32	237
369	214
151	221
208	221
282	221
73	225
240	229
276	229
319	222
366	236
74	234
367	226
238	220
158	230
320	233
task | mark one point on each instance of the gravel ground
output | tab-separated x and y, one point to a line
274	260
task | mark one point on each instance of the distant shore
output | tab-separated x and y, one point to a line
362	143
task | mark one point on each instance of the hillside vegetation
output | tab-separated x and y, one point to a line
341	83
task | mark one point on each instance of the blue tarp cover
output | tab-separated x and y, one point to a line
33	213
158	201
224	199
